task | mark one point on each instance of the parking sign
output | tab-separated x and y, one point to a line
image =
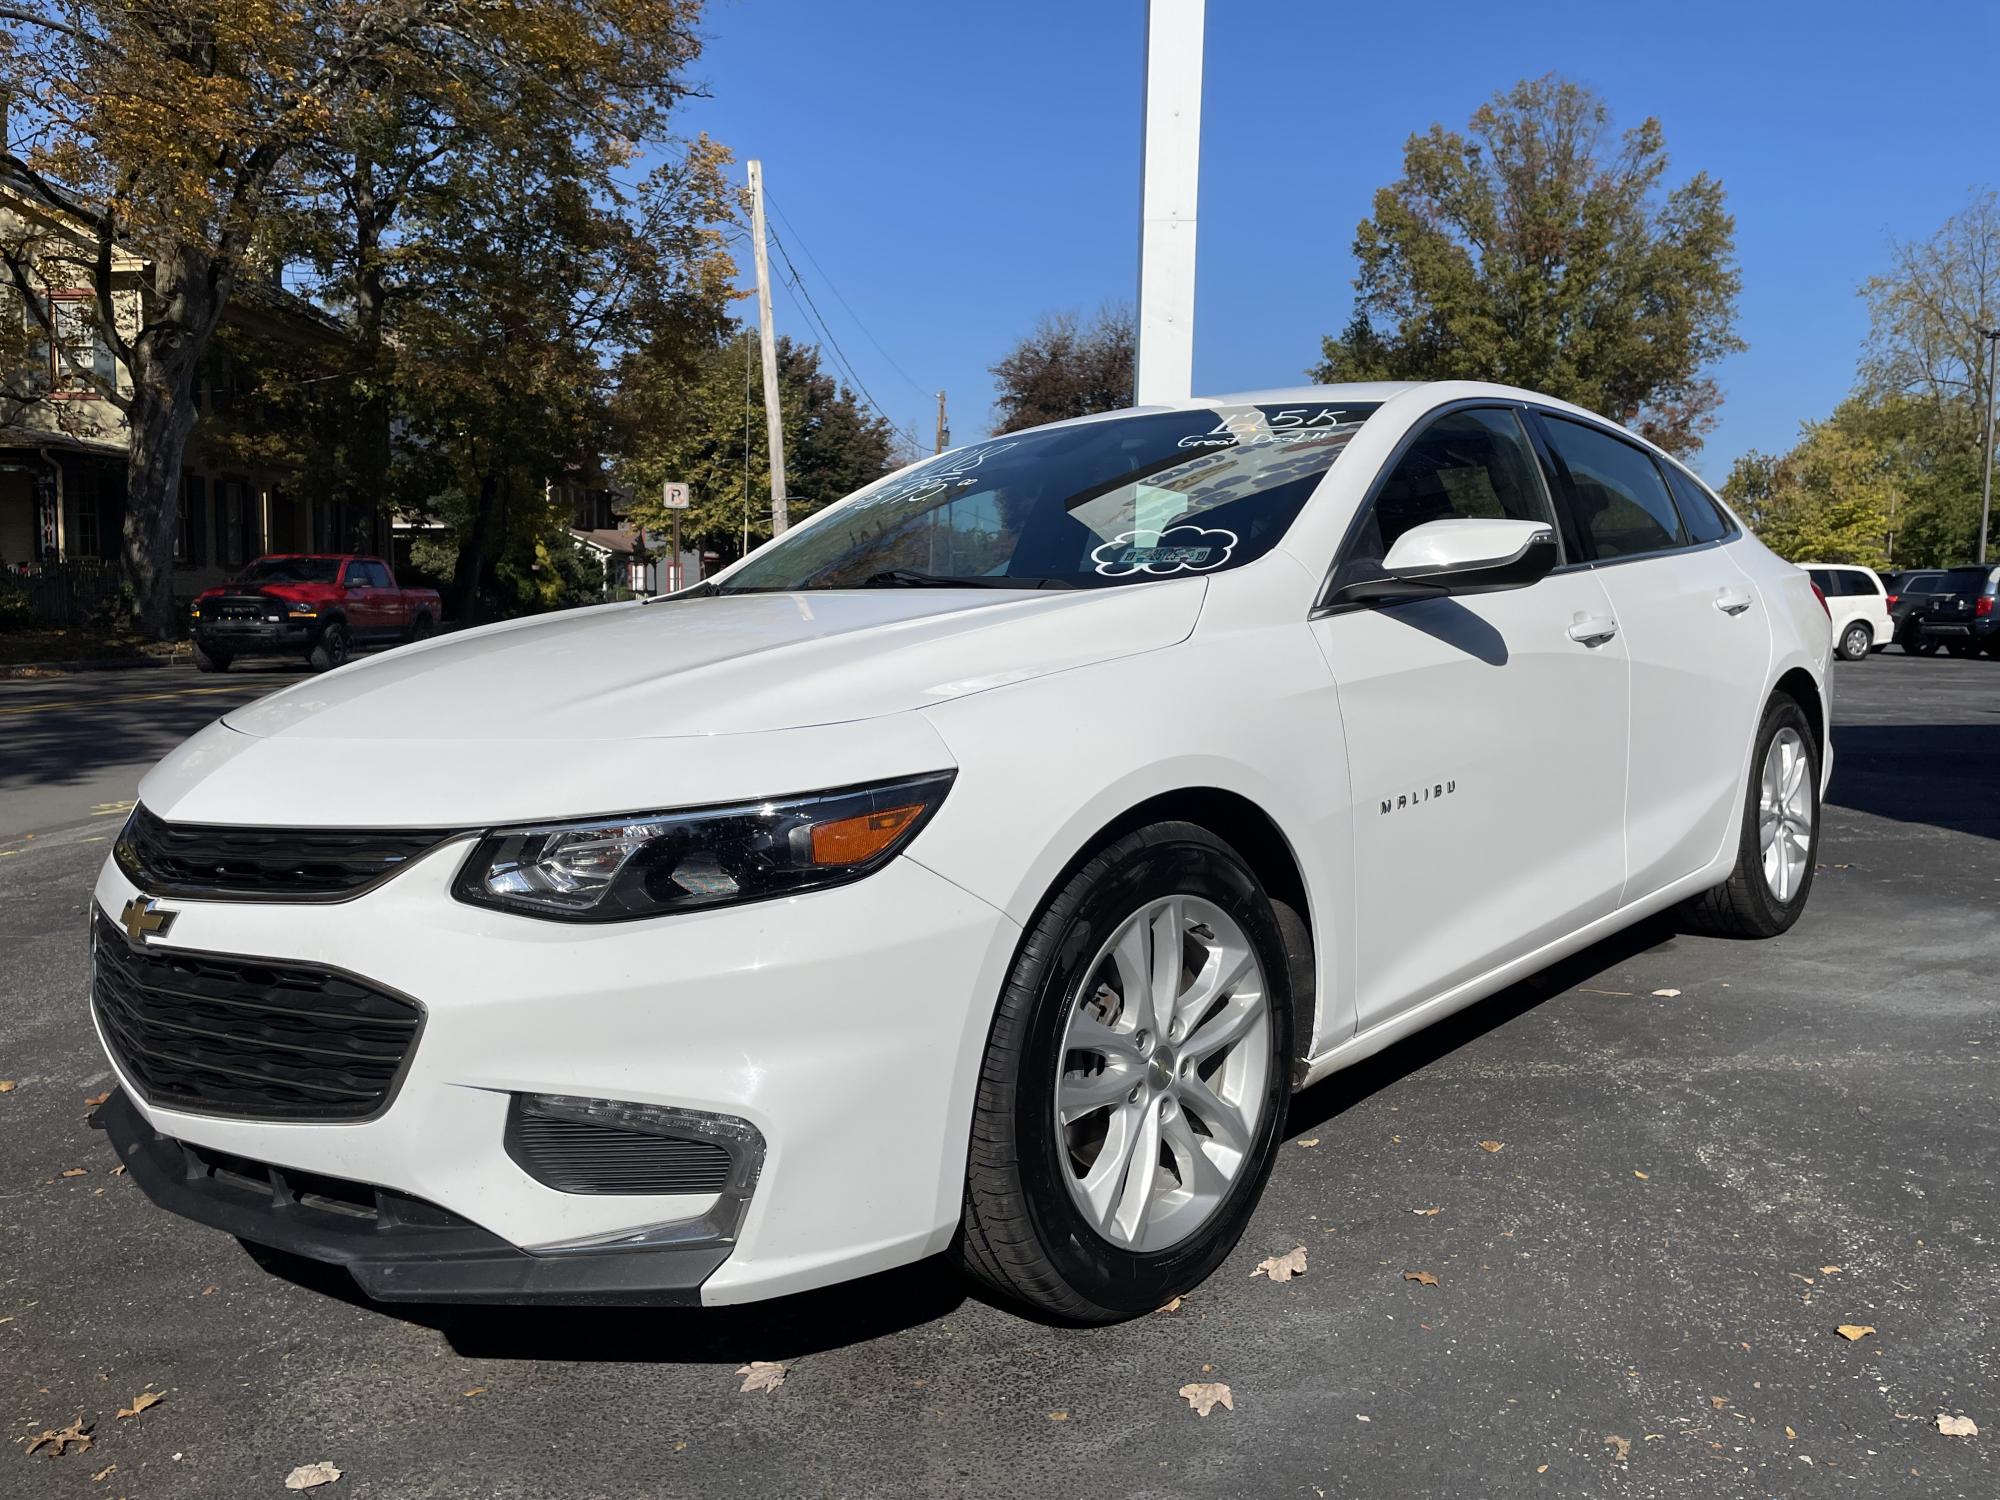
674	495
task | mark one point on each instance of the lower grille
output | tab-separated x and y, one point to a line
587	1146
255	1038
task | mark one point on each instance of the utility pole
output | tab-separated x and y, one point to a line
1171	171
773	426
943	427
1992	337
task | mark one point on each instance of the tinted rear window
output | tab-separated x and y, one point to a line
1622	504
1965	580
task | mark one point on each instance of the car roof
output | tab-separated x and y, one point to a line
1382	392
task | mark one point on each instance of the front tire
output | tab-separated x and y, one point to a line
208	659
1778	844
1918	645
1135	1083
330	650
1856	642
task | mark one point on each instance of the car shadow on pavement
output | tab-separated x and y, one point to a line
1332	1097
1941	774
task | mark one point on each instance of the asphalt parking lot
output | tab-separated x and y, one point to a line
1712	1155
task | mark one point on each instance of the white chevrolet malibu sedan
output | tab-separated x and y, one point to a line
976	868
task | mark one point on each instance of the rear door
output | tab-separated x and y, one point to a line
1697	636
1956	607
1485	733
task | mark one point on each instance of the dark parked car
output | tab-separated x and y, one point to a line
1911	593
1964	615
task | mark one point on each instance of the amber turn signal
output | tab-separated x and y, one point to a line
850	840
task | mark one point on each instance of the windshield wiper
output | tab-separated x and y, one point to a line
914	578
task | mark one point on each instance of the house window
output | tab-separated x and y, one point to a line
190	522
79	351
236	540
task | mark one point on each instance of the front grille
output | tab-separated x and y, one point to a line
235	609
579	1155
250	1037
268	864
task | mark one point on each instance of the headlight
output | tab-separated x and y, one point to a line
648	864
296	607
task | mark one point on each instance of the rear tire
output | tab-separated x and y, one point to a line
1027	1231
421	629
1856	642
1748	905
330	650
207	659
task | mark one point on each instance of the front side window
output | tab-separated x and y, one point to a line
1622	505
1464	465
1125	500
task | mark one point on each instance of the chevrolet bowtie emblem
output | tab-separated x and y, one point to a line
144	917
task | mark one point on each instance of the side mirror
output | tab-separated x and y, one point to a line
1459	556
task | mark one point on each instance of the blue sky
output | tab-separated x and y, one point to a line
957	169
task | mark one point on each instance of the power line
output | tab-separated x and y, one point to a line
806	250
796	285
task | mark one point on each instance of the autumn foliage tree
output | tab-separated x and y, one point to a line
1539	250
211	137
1066	368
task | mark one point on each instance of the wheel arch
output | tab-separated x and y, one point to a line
1803	689
1256	836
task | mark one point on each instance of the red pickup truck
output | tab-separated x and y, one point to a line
320	605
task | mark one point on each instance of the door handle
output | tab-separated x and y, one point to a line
1592	630
1732	601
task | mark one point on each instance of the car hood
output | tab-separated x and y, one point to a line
727	664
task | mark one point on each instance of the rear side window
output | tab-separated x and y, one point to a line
1466	464
1702	517
1622	505
1964	581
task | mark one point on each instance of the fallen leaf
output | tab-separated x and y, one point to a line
1492	1145
1957	1426
103	1474
1173	1306
1828	1270
762	1375
119	1170
311	1476
140	1402
1666	994
209	1291
1718	1402
92	1101
1421	1278
76	1435
1791	1434
6	1085
1058	1416
1853	1331
1542	1469
1283	1267
477	1390
75	1172
1640	1175
1428	1213
1205	1395
1311	1141
1359	1418
1621	1447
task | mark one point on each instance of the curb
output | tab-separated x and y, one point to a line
31	669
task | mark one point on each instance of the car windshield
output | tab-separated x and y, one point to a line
290	570
1122	500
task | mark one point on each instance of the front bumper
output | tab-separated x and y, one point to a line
243	637
845	1025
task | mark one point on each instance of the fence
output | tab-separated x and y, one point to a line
58	593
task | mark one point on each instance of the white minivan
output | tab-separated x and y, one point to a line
1858	604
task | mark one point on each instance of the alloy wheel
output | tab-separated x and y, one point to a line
1164	1073
1785	814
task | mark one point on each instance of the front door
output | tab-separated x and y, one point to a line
1486	736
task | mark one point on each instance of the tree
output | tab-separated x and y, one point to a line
1828	500
1066	368
696	420
1541	253
195	134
